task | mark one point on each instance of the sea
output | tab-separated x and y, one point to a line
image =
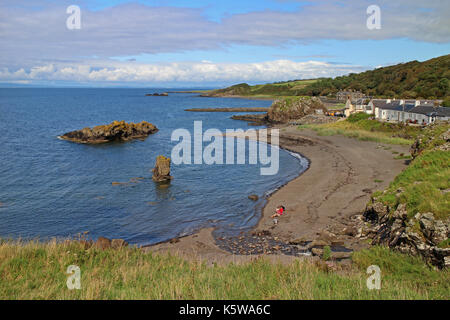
51	188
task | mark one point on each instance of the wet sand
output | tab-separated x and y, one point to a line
329	196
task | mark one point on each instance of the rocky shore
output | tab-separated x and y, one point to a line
116	131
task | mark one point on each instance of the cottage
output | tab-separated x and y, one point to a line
356	106
426	114
418	111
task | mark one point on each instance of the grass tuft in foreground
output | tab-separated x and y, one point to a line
35	270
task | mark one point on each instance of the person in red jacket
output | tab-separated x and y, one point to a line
279	212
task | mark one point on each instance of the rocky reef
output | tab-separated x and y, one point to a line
285	110
165	94
116	131
161	172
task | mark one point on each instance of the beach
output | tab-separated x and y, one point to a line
327	198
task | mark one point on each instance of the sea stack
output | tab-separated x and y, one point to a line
161	172
116	131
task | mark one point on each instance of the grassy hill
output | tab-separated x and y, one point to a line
269	91
427	80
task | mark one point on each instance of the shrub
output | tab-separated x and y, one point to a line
358	117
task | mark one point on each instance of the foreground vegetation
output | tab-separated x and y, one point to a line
360	127
35	270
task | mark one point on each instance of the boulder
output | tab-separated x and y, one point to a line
161	172
400	213
350	231
116	131
253	197
318	244
299	241
327	236
434	230
102	243
317	252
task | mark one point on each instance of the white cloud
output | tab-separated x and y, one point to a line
28	32
36	45
187	72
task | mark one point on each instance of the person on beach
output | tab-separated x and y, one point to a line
279	212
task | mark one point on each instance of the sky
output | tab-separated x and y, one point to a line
190	44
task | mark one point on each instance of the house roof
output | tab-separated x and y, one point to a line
361	101
428	110
382	104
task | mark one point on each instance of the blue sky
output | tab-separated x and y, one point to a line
212	43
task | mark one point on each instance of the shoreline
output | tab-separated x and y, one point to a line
266	196
324	199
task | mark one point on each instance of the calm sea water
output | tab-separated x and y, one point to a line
54	188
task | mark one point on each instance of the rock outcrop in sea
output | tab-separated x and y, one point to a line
161	172
165	94
116	131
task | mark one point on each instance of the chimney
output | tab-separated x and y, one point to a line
402	101
417	103
388	101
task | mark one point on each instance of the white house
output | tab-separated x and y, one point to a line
419	111
356	106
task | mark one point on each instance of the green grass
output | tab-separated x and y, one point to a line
423	183
360	127
37	271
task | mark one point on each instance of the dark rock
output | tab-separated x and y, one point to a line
116	131
317	252
400	212
336	243
161	172
253	197
375	211
318	244
299	241
103	243
350	231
